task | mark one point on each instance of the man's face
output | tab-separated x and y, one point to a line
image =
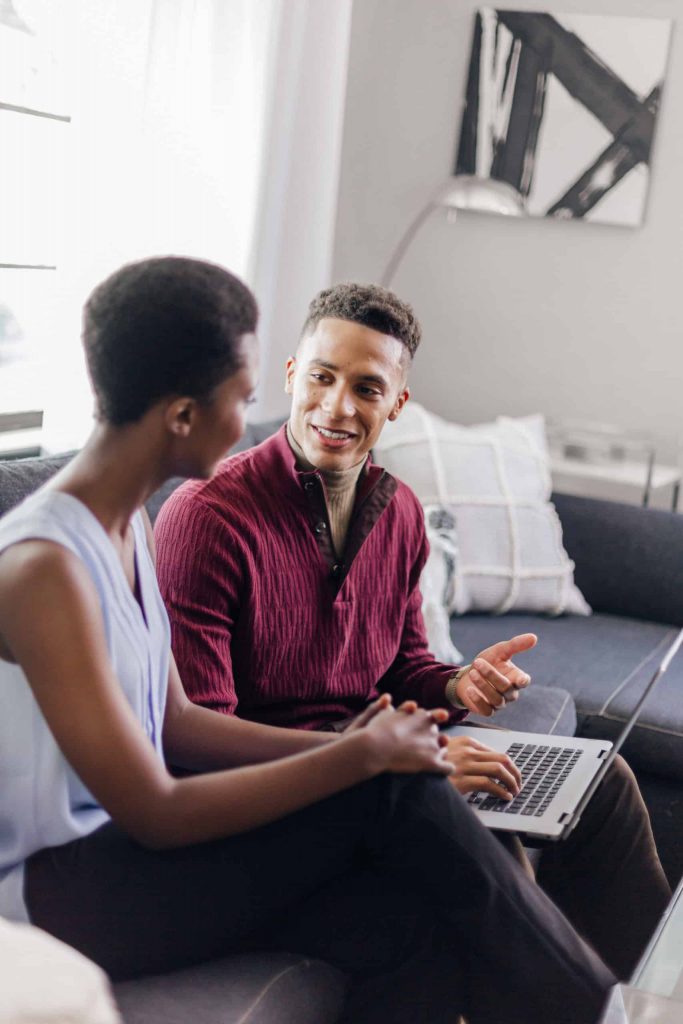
346	380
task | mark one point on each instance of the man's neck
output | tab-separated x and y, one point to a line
335	479
340	487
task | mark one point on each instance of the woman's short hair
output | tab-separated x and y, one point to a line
163	326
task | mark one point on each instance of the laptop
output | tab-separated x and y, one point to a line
559	773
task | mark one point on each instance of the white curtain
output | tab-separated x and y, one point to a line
169	118
297	201
209	128
168	113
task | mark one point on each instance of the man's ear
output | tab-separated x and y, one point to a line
180	416
290	370
403	397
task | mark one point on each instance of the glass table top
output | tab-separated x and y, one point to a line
661	969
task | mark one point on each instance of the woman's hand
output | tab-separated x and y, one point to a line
405	740
477	767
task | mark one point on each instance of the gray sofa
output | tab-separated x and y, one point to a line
629	566
587	674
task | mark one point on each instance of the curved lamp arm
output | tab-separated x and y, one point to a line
406	238
461	192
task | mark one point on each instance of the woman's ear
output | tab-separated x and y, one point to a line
180	415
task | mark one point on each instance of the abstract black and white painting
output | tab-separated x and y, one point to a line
560	113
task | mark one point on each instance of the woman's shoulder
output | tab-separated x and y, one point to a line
42	535
46	514
55	530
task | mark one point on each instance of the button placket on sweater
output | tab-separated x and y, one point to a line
364	517
313	489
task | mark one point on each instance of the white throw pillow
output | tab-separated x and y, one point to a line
44	981
437	583
493	479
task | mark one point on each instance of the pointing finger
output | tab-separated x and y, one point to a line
505	649
521	642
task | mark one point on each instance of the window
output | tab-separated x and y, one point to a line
34	138
133	128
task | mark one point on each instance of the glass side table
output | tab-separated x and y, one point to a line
655	992
600	460
661	969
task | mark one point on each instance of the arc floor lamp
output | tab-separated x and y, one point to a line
461	192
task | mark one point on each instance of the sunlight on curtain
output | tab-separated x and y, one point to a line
34	142
203	126
165	143
208	128
297	204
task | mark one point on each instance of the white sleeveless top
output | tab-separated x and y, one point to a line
42	801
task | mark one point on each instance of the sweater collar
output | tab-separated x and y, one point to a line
369	477
339	481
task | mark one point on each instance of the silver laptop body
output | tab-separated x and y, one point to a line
559	773
556	771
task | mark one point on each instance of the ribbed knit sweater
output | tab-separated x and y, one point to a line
266	622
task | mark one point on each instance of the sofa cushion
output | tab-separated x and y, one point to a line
279	988
604	662
492	483
542	709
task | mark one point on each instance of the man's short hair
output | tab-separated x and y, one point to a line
163	326
369	305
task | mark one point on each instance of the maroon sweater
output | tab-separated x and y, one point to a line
266	623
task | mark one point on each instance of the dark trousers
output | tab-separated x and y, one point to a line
393	881
607	876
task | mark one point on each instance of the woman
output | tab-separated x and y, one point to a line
145	871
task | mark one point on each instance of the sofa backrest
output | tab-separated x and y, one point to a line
629	559
20	477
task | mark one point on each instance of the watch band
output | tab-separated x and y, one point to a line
451	695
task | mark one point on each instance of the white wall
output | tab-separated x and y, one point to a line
572	319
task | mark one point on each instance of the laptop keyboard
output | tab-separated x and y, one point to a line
543	768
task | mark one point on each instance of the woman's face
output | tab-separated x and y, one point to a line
220	422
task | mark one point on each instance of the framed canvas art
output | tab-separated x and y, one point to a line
560	111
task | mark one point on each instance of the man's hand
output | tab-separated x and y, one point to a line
493	680
477	767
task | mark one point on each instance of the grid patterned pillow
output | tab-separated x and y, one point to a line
485	490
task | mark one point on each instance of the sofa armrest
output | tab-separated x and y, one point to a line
629	560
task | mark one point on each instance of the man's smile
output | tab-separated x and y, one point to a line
332	438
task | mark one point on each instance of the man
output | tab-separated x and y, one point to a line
292	581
